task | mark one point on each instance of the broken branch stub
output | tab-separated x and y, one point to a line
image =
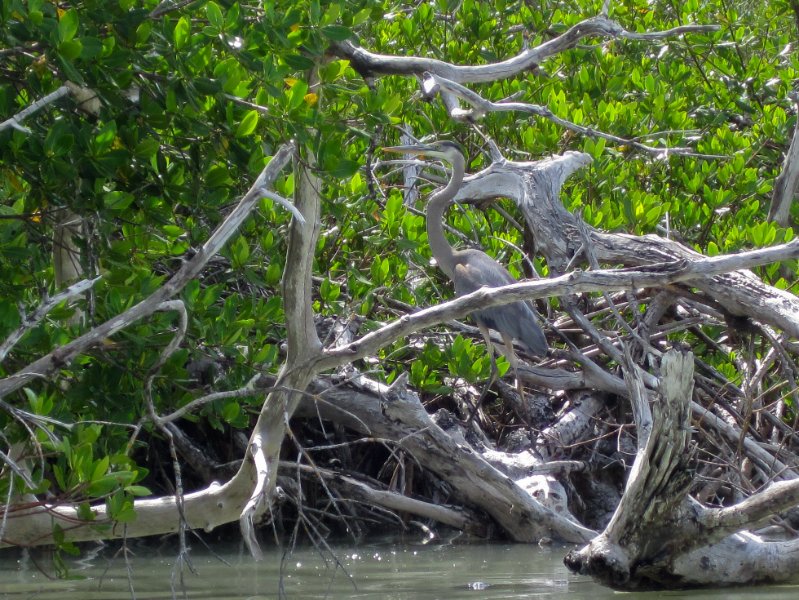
642	528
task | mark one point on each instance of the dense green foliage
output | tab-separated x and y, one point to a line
193	104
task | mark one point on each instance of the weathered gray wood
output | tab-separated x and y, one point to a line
659	536
396	414
370	64
787	182
535	186
641	529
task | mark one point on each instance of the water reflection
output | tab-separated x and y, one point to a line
385	571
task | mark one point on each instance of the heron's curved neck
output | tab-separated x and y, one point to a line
436	207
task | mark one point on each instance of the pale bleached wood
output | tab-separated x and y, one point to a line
787	182
396	414
370	64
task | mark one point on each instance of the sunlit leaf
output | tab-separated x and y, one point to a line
214	14
248	124
67	25
182	32
118	200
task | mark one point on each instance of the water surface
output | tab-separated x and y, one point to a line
373	571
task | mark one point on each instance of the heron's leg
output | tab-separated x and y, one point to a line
491	379
510	355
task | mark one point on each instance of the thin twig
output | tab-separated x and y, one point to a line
432	84
48	304
15	122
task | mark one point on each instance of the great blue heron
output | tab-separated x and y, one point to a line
472	269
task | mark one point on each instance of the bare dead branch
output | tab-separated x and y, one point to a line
787	181
370	64
433	84
48	304
302	343
15	122
592	281
777	497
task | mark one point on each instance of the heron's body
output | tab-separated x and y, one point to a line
475	269
472	269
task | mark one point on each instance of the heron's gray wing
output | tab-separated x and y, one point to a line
475	269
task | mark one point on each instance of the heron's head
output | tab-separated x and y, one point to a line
444	149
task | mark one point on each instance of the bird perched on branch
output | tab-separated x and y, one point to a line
472	269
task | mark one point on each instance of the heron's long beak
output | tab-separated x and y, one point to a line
411	149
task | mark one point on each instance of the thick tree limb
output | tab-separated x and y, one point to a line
32	525
370	64
737	559
433	84
777	497
572	426
302	345
397	414
642	526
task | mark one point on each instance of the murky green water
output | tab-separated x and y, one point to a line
375	571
